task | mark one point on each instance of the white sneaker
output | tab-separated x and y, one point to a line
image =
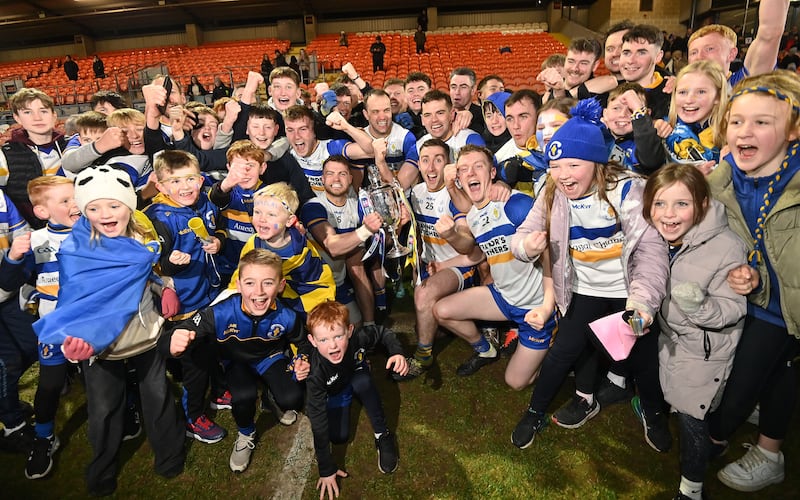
242	450
288	417
753	471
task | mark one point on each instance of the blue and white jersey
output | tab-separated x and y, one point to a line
312	164
493	225
138	168
595	244
456	142
428	207
508	150
45	243
401	147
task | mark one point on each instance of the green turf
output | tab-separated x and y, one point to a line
454	440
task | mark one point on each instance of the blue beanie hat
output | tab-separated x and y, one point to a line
581	136
499	100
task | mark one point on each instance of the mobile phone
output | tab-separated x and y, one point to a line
168	87
694	154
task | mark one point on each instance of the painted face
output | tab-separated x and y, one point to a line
205	136
578	67
89	135
38	120
613	51
108	217
475	173
617	118
259	285
549	121
672	212
437	119
271	219
461	91
134	138
397	98
331	341
494	119
182	186
284	92
757	133
432	160
249	170
713	47
492	86
574	177
521	120
261	131
695	97
59	205
638	61
301	136
379	115
414	94
336	178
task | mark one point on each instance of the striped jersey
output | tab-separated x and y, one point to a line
312	164
45	243
401	147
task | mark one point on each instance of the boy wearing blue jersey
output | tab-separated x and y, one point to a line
522	292
251	330
188	257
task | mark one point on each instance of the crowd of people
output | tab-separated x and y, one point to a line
240	248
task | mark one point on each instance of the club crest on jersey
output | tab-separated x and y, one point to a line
360	355
495	213
46	350
276	330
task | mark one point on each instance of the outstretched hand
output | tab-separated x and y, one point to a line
398	363
329	485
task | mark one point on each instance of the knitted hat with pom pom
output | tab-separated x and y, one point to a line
581	136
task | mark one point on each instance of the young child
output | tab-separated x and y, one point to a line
623	133
339	371
190	261
757	182
106	273
309	279
53	199
33	151
90	126
701	317
553	114
251	329
605	259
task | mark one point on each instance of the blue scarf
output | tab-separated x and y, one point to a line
697	136
101	285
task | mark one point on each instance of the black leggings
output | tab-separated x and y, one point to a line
762	373
366	392
572	346
695	447
48	392
243	383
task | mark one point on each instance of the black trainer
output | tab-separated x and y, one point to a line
387	453
656	430
475	363
609	393
19	441
532	423
40	460
575	412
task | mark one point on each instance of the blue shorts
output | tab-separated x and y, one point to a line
342	399
528	336
466	275
51	354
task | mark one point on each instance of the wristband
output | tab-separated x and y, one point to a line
363	233
356	77
639	113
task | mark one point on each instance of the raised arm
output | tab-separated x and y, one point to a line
763	52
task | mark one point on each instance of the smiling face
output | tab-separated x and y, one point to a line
617	118
259	286
432	160
549	121
261	131
108	217
59	206
475	172
521	121
573	177
248	169
613	51
713	47
336	178
415	91
494	120
378	112
134	137
331	340
695	97
344	105
301	136
437	118
672	212
205	136
182	185
638	61
578	67
758	133
462	91
284	92
397	98
38	120
271	219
